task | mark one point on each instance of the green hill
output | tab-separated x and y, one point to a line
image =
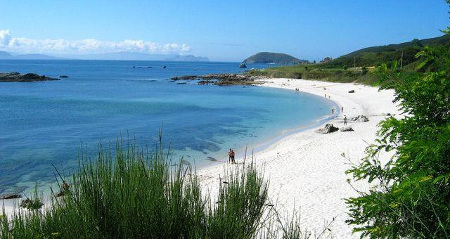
269	57
358	66
373	56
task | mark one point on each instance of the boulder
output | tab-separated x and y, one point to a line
360	118
328	128
351	91
31	204
346	128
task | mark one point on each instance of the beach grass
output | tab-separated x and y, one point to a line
137	193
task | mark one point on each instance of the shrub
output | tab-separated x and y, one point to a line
412	196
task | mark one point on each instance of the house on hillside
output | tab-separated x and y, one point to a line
326	59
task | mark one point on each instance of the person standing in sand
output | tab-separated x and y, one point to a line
231	156
345	120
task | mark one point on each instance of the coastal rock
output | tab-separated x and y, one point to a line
346	128
328	128
31	204
220	79
10	196
29	77
360	118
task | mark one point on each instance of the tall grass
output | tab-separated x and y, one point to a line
134	193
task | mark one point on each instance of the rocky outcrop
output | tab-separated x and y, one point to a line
360	118
328	128
29	77
10	195
346	129
31	204
220	79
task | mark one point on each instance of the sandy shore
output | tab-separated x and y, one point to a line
307	170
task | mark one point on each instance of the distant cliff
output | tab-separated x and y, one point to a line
269	57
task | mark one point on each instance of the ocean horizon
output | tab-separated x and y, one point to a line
48	123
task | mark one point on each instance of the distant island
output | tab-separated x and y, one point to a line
11	56
124	56
276	58
29	77
187	58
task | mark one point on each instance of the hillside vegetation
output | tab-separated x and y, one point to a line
374	56
359	66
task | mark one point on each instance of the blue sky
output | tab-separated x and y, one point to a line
220	30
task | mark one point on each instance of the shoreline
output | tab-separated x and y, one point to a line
306	170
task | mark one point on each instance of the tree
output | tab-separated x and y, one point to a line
411	196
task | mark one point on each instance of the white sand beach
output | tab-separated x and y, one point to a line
306	170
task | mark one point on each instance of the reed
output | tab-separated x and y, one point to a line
134	193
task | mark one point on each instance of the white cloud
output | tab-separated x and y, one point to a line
85	46
5	37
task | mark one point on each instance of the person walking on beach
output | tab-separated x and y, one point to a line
345	120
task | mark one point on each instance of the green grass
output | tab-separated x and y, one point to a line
349	68
318	72
135	193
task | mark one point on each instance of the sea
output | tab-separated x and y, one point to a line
45	126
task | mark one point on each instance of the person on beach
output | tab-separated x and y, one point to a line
231	156
332	111
345	120
342	109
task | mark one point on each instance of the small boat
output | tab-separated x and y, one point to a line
242	65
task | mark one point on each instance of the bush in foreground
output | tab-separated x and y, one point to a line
412	196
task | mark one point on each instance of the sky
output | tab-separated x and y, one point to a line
219	30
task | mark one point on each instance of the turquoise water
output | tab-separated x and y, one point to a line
45	123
